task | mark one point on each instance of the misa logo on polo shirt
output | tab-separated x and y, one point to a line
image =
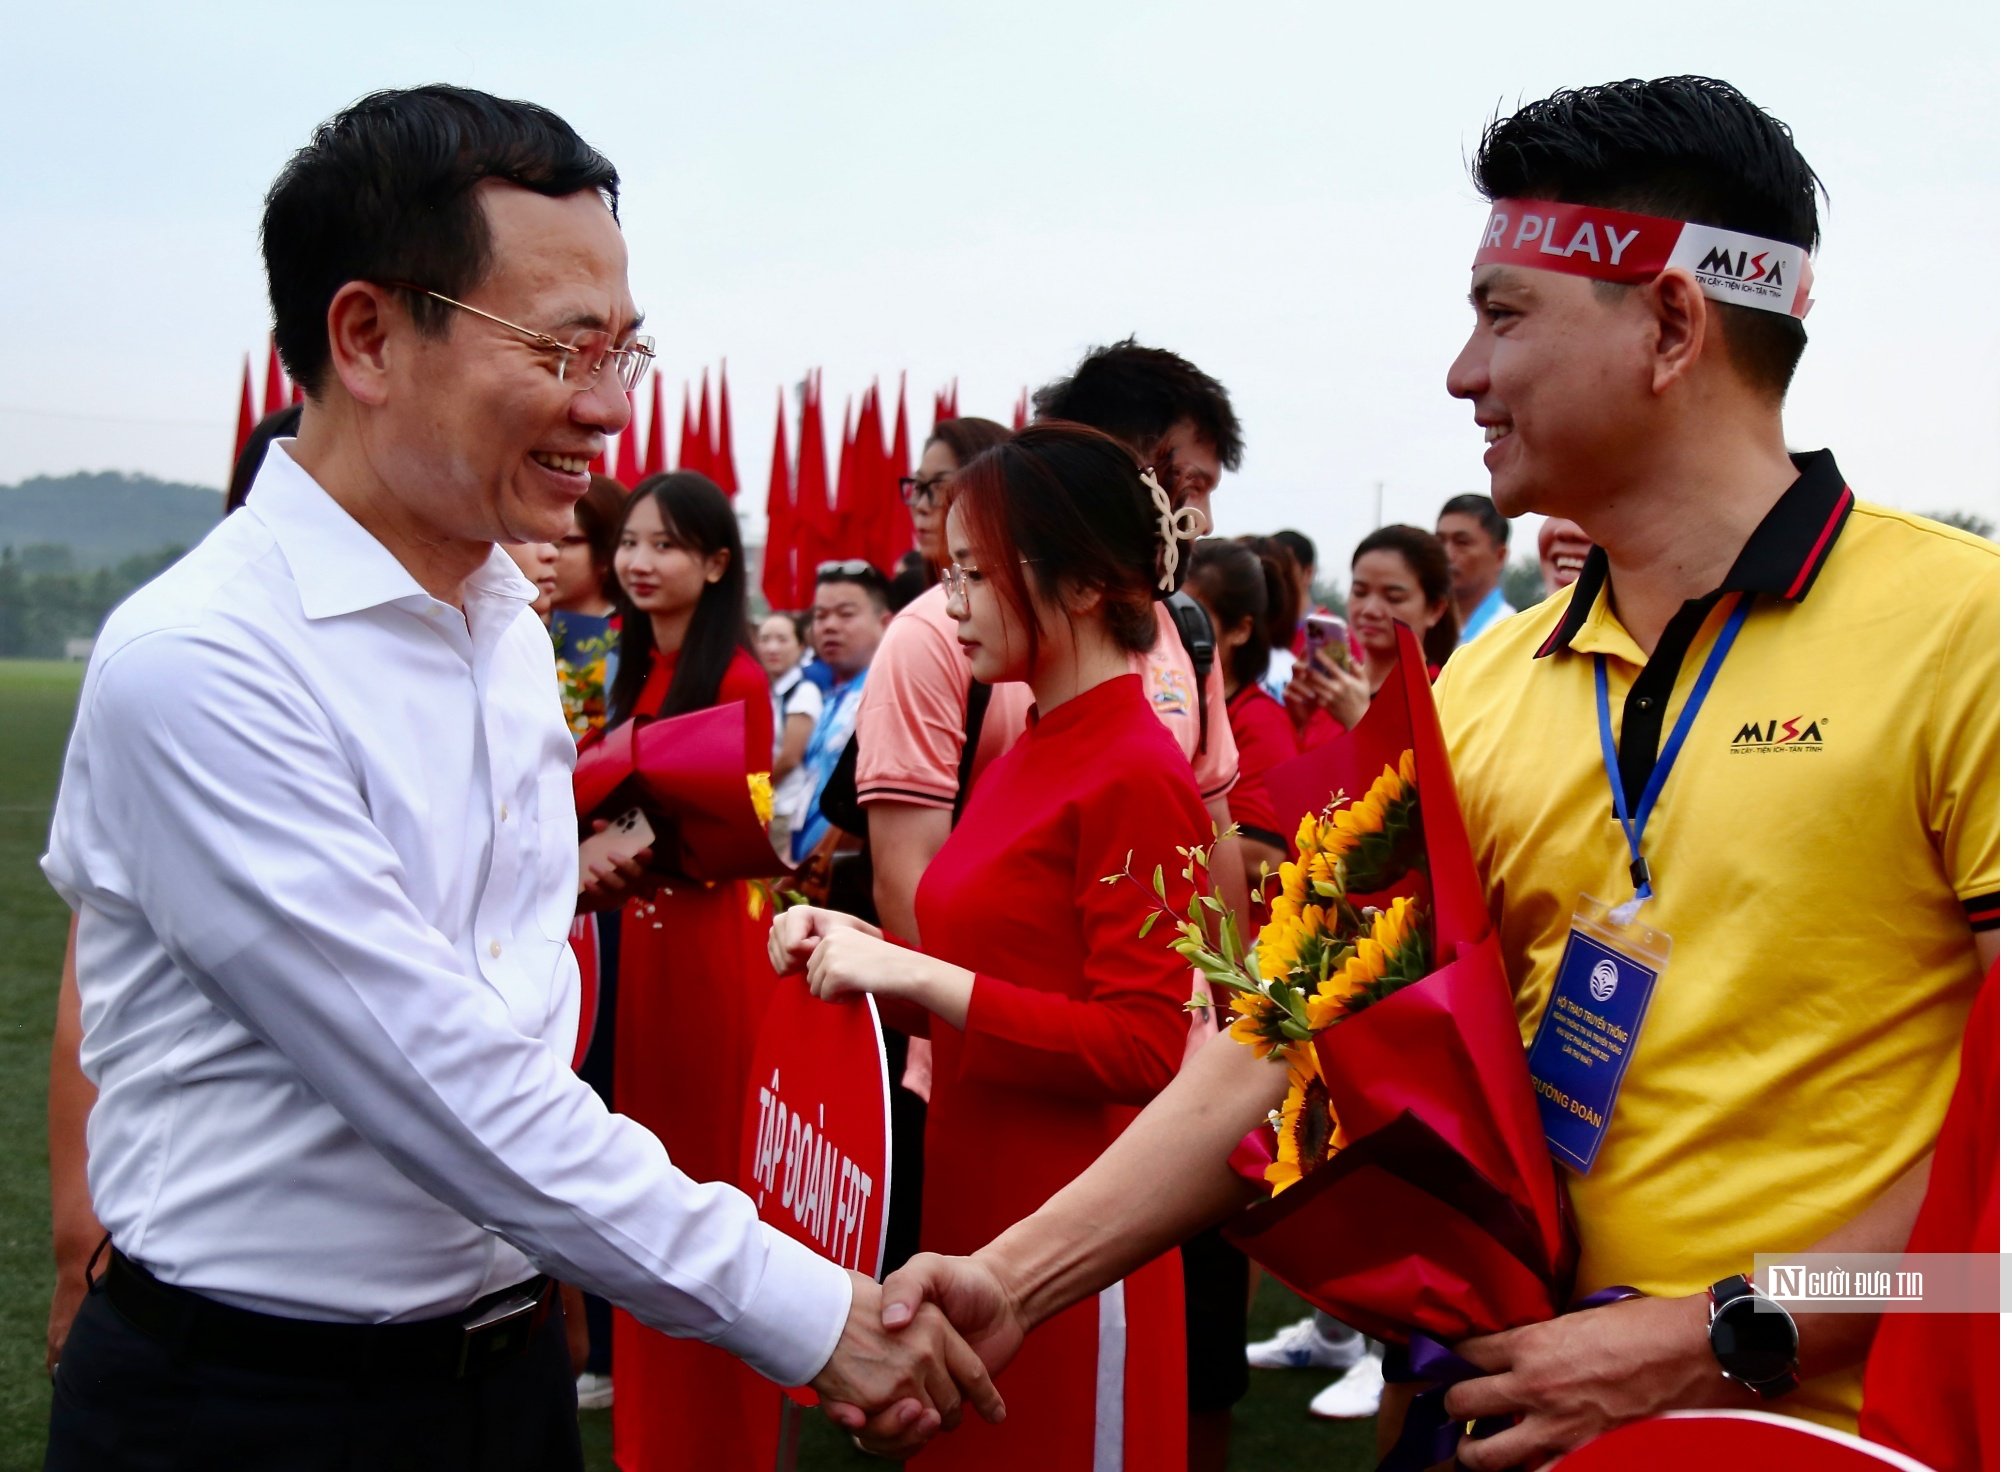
1800	734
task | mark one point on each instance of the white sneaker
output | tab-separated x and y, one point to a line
595	1392
1302	1346
1355	1395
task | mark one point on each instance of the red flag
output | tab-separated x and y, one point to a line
689	455
653	457
723	447
776	583
815	521
869	469
599	464
275	380
950	401
247	421
1020	411
299	394
628	469
845	493
900	528
704	431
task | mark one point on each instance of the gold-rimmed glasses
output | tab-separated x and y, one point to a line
578	362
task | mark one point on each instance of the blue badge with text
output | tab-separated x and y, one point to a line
1584	1044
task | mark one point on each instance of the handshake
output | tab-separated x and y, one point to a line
915	1349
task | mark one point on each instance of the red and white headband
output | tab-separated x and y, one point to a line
1613	245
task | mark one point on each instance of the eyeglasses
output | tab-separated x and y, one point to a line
851	567
925	493
957	580
584	356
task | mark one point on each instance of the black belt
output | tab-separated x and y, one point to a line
493	1331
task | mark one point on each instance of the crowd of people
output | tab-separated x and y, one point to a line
317	824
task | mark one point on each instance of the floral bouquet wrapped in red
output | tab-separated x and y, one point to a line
1411	1193
689	776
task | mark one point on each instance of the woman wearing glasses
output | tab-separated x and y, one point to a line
1053	1018
928	492
693	982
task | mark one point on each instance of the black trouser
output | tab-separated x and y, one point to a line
125	1402
1217	1281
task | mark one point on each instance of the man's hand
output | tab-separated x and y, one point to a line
971	1295
610	881
1583	1373
894	1391
795	932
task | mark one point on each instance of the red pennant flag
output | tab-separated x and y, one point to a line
689	456
275	380
900	528
723	447
247	421
628	468
653	457
950	401
777	585
1020	411
815	522
599	464
845	493
299	394
704	431
870	469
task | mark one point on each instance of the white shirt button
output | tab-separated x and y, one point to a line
495	949
506	812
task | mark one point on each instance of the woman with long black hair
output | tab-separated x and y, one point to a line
694	979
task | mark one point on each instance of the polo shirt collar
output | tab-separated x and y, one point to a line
1781	559
340	568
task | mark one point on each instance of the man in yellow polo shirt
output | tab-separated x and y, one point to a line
1796	786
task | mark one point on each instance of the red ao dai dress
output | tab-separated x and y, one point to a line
1075	1022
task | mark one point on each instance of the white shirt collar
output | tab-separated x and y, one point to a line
341	568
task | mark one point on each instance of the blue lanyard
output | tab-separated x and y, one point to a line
1635	823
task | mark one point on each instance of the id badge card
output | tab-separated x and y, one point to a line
1587	1038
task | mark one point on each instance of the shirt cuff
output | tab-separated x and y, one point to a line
790	1330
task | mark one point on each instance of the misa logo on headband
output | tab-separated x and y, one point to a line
1760	273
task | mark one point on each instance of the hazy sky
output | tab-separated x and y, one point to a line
1276	191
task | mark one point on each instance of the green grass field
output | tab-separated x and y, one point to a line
1273	1431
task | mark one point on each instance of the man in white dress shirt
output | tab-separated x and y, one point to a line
317	824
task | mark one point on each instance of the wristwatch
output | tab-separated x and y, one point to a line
1753	1338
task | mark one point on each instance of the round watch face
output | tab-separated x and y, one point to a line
1754	1339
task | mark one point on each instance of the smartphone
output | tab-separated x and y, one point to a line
1329	632
624	838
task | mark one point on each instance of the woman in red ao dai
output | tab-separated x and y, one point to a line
1053	1020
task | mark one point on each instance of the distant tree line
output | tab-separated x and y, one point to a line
45	601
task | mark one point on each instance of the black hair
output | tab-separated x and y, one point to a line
1684	148
966	438
1300	545
1281	584
385	192
1138	395
599	515
912	578
1231	578
699	517
1427	560
861	574
1482	510
1070	501
281	424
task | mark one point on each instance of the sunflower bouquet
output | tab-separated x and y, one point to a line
1405	1184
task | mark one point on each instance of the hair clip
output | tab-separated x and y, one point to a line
1176	527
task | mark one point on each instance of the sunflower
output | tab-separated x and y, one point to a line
1296	942
1304	1122
1394	954
763	796
1374	842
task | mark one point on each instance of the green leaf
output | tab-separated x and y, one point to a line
1152	919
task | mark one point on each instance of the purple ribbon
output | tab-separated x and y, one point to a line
1430	1436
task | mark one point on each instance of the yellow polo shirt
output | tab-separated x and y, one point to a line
1823	853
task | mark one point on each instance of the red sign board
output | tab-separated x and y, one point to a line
818	1144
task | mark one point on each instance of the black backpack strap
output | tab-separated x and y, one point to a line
839	801
976	699
1199	635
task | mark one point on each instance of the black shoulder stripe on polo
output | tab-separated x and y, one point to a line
1584	591
1982	912
1788	549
